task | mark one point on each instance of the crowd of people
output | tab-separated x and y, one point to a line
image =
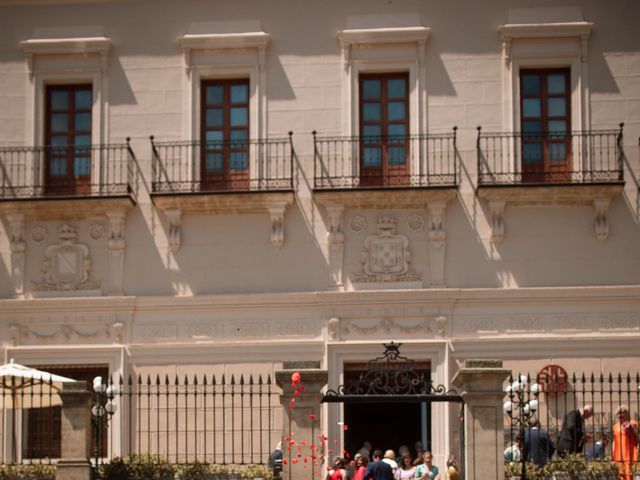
538	447
370	464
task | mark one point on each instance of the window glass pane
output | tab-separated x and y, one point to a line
83	121
531	107
58	166
556	83
531	85
239	93
213	162
371	89
557	152
239	139
532	127
372	131
532	153
238	161
372	157
397	131
556	107
83	141
214	138
81	166
396	111
239	116
215	117
59	122
215	94
396	88
59	140
59	100
557	126
397	155
372	112
83	99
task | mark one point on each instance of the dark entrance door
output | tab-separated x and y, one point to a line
385	426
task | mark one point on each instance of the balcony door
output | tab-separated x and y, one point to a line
384	129
545	125
68	139
224	154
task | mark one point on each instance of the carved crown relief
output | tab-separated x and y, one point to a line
67	265
386	257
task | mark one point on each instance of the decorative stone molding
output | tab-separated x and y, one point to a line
601	220
13	335
415	223
225	41
276	213
496	212
333	329
116	246
357	224
39	233
18	248
367	312
386	256
44	334
388	326
96	231
118	332
441	325
67	266
336	246
174	216
437	237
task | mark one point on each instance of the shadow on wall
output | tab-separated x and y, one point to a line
6	282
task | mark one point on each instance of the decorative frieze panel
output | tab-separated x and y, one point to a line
494	325
419	328
382	311
67	265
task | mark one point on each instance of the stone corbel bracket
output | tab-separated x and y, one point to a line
174	216
437	236
496	219
336	245
276	213
601	218
18	248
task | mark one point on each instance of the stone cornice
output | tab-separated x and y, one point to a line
628	294
66	46
216	41
365	36
545	30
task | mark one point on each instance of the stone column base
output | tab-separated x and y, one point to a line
73	470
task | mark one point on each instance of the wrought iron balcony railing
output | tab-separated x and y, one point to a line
414	161
235	166
67	171
586	157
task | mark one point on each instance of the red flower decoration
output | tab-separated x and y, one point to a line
296	378
312	416
345	427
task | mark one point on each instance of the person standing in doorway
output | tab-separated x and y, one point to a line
378	470
572	436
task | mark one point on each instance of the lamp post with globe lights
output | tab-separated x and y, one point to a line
521	406
103	409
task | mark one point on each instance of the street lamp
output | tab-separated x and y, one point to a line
521	406
103	409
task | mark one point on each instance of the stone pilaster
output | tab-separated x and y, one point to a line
480	383
301	420
336	246
117	245
18	251
437	236
75	422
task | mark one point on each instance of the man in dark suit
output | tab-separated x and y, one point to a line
572	436
378	470
538	447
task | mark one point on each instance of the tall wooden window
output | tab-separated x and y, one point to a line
225	135
545	104
68	139
384	129
42	425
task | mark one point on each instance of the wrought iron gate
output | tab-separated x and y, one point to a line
395	379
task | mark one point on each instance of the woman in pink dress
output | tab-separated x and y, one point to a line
406	470
361	467
337	472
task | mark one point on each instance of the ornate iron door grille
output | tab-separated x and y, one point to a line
391	378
